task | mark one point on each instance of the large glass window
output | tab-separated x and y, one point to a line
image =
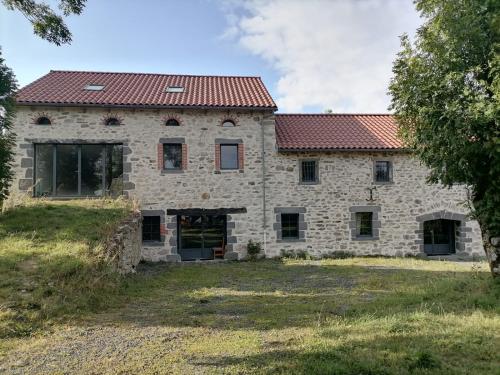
92	170
114	170
67	170
289	226
78	170
228	156
44	156
172	152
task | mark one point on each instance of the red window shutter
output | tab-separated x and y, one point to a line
160	156
241	156
217	157
184	156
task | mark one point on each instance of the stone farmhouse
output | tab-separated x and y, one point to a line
214	166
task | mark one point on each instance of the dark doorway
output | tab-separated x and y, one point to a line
199	234
439	237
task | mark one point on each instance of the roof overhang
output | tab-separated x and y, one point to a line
142	106
297	150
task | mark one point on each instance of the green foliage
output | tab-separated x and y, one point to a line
7	88
254	249
46	23
446	97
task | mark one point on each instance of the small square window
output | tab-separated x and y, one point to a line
290	226
309	171
151	228
383	171
172	156
364	224
229	157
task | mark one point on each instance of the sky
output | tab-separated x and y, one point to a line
312	55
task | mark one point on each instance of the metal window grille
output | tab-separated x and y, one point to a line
290	225
309	171
364	224
151	228
383	171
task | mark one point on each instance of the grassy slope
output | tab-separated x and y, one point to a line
49	261
351	316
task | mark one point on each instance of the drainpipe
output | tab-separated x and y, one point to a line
264	221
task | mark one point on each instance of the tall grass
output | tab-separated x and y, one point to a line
51	260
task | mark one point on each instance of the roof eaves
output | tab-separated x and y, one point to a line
338	149
141	106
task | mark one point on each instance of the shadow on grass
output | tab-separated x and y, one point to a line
412	354
271	295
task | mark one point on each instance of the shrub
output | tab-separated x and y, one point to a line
253	249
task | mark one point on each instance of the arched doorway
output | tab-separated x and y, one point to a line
439	236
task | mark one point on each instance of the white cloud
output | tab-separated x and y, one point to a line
328	54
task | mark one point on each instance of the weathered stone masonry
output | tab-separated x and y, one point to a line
267	184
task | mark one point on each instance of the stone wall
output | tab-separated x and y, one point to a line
344	182
200	185
124	247
326	208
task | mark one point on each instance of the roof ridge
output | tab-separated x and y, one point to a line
334	114
154	74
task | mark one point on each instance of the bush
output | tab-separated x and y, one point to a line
253	249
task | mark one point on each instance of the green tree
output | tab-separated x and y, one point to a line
446	98
7	89
47	24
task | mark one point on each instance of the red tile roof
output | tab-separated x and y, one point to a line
146	90
336	132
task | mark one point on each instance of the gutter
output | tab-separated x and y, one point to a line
264	208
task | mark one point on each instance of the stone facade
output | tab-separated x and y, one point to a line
258	192
343	188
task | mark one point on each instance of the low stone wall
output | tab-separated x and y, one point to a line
124	246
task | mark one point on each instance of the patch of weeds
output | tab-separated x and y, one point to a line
401	328
338	255
424	360
295	254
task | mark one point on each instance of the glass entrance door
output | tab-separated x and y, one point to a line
199	234
439	237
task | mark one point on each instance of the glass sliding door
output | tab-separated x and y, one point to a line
199	234
92	170
44	159
87	170
67	170
114	169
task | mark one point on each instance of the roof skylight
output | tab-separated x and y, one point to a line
174	89
92	87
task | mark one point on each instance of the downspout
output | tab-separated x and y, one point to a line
264	221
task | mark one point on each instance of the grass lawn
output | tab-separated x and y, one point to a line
336	316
